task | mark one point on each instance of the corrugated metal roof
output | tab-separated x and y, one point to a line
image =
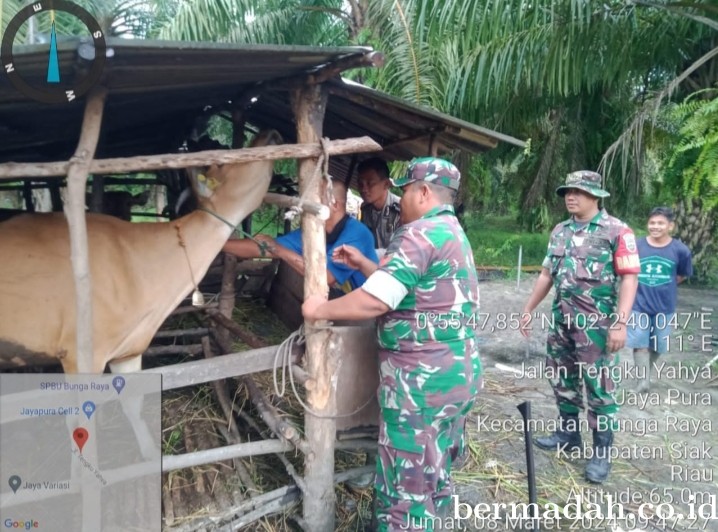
157	89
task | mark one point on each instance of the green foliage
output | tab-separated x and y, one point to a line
315	22
496	241
220	129
489	185
537	218
695	159
268	220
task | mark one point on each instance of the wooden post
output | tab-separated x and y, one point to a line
27	195
309	105
229	273
55	195
75	214
98	193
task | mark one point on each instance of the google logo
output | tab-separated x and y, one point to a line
27	525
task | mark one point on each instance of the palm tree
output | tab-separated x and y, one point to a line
317	22
569	75
692	175
116	17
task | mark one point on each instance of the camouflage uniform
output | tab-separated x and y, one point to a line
382	222
429	375
585	262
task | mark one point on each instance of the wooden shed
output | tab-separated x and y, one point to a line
153	96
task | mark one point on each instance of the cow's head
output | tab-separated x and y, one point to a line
235	181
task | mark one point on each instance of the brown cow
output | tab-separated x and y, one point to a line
119	203
139	272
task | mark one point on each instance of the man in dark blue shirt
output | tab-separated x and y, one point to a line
665	263
341	229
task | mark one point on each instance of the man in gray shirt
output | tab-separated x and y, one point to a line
380	210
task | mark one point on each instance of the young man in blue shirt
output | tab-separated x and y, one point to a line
665	263
341	229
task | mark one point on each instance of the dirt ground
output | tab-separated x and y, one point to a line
666	446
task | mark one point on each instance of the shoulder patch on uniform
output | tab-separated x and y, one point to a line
630	240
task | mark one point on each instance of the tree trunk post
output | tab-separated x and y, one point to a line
309	105
98	193
75	214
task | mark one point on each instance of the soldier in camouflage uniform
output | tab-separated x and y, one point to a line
586	256
424	291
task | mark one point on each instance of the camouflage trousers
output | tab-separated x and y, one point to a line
416	450
577	358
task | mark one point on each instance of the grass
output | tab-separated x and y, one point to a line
496	242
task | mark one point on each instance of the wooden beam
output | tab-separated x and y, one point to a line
188	160
370	59
276	423
207	370
78	169
196	331
192	349
248	337
309	105
243	513
239	511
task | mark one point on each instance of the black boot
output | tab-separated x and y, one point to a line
568	435
599	466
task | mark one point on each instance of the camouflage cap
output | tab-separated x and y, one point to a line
431	170
584	180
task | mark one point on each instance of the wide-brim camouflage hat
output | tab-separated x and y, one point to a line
584	180
431	170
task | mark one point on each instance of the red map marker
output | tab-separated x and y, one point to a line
80	436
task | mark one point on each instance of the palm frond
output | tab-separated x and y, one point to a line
631	139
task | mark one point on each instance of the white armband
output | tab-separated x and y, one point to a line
385	288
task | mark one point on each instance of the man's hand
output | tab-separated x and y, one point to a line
616	337
348	255
524	324
311	305
269	243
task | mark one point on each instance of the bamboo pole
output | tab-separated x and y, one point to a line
238	450
77	170
309	105
189	160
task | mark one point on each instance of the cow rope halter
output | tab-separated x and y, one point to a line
320	170
263	246
197	296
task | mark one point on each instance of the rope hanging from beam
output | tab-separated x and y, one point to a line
321	169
